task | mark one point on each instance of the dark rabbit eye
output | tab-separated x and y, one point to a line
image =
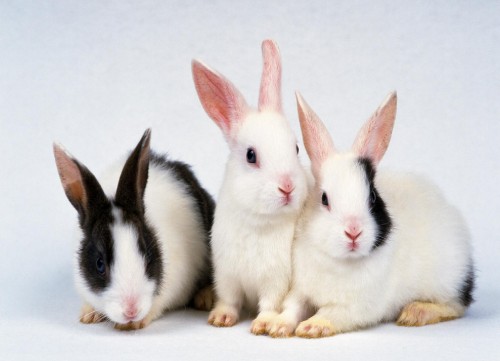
251	156
100	266
373	197
297	147
324	199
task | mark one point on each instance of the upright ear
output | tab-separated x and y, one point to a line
134	176
317	140
219	97
80	185
373	139
270	84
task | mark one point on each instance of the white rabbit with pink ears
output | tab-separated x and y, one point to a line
262	195
372	246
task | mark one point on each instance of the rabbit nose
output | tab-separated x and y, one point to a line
352	236
130	313
130	309
286	190
353	229
286	185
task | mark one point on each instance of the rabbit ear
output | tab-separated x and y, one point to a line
134	176
270	84
219	97
80	185
374	137
317	140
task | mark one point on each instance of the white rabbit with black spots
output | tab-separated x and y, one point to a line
144	237
372	246
262	195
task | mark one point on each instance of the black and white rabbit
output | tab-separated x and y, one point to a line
261	197
373	246
144	245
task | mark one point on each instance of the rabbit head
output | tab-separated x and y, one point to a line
348	214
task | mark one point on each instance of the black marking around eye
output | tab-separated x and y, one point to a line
377	205
97	243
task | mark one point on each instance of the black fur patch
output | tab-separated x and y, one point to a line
467	288
95	220
148	245
129	199
97	243
204	202
184	174
377	205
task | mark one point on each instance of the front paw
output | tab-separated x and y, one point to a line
315	327
261	325
222	317
89	315
280	328
132	326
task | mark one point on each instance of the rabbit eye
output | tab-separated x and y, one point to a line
251	156
297	147
373	197
324	199
100	266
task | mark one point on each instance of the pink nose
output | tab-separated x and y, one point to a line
353	235
130	309
353	229
286	186
286	190
130	313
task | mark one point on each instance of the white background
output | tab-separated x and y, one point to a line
95	74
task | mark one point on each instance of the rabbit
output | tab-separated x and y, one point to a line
372	246
262	194
144	236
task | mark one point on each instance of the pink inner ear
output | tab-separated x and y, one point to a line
317	140
270	85
373	138
220	99
70	176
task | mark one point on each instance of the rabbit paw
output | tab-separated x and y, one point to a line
222	317
280	328
204	299
261	325
315	327
426	313
89	315
132	326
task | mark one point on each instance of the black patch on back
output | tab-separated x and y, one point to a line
377	205
205	204
467	288
96	243
183	173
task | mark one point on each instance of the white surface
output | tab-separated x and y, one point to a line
95	74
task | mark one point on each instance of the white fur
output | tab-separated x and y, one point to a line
170	211
253	231
350	284
254	221
426	257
